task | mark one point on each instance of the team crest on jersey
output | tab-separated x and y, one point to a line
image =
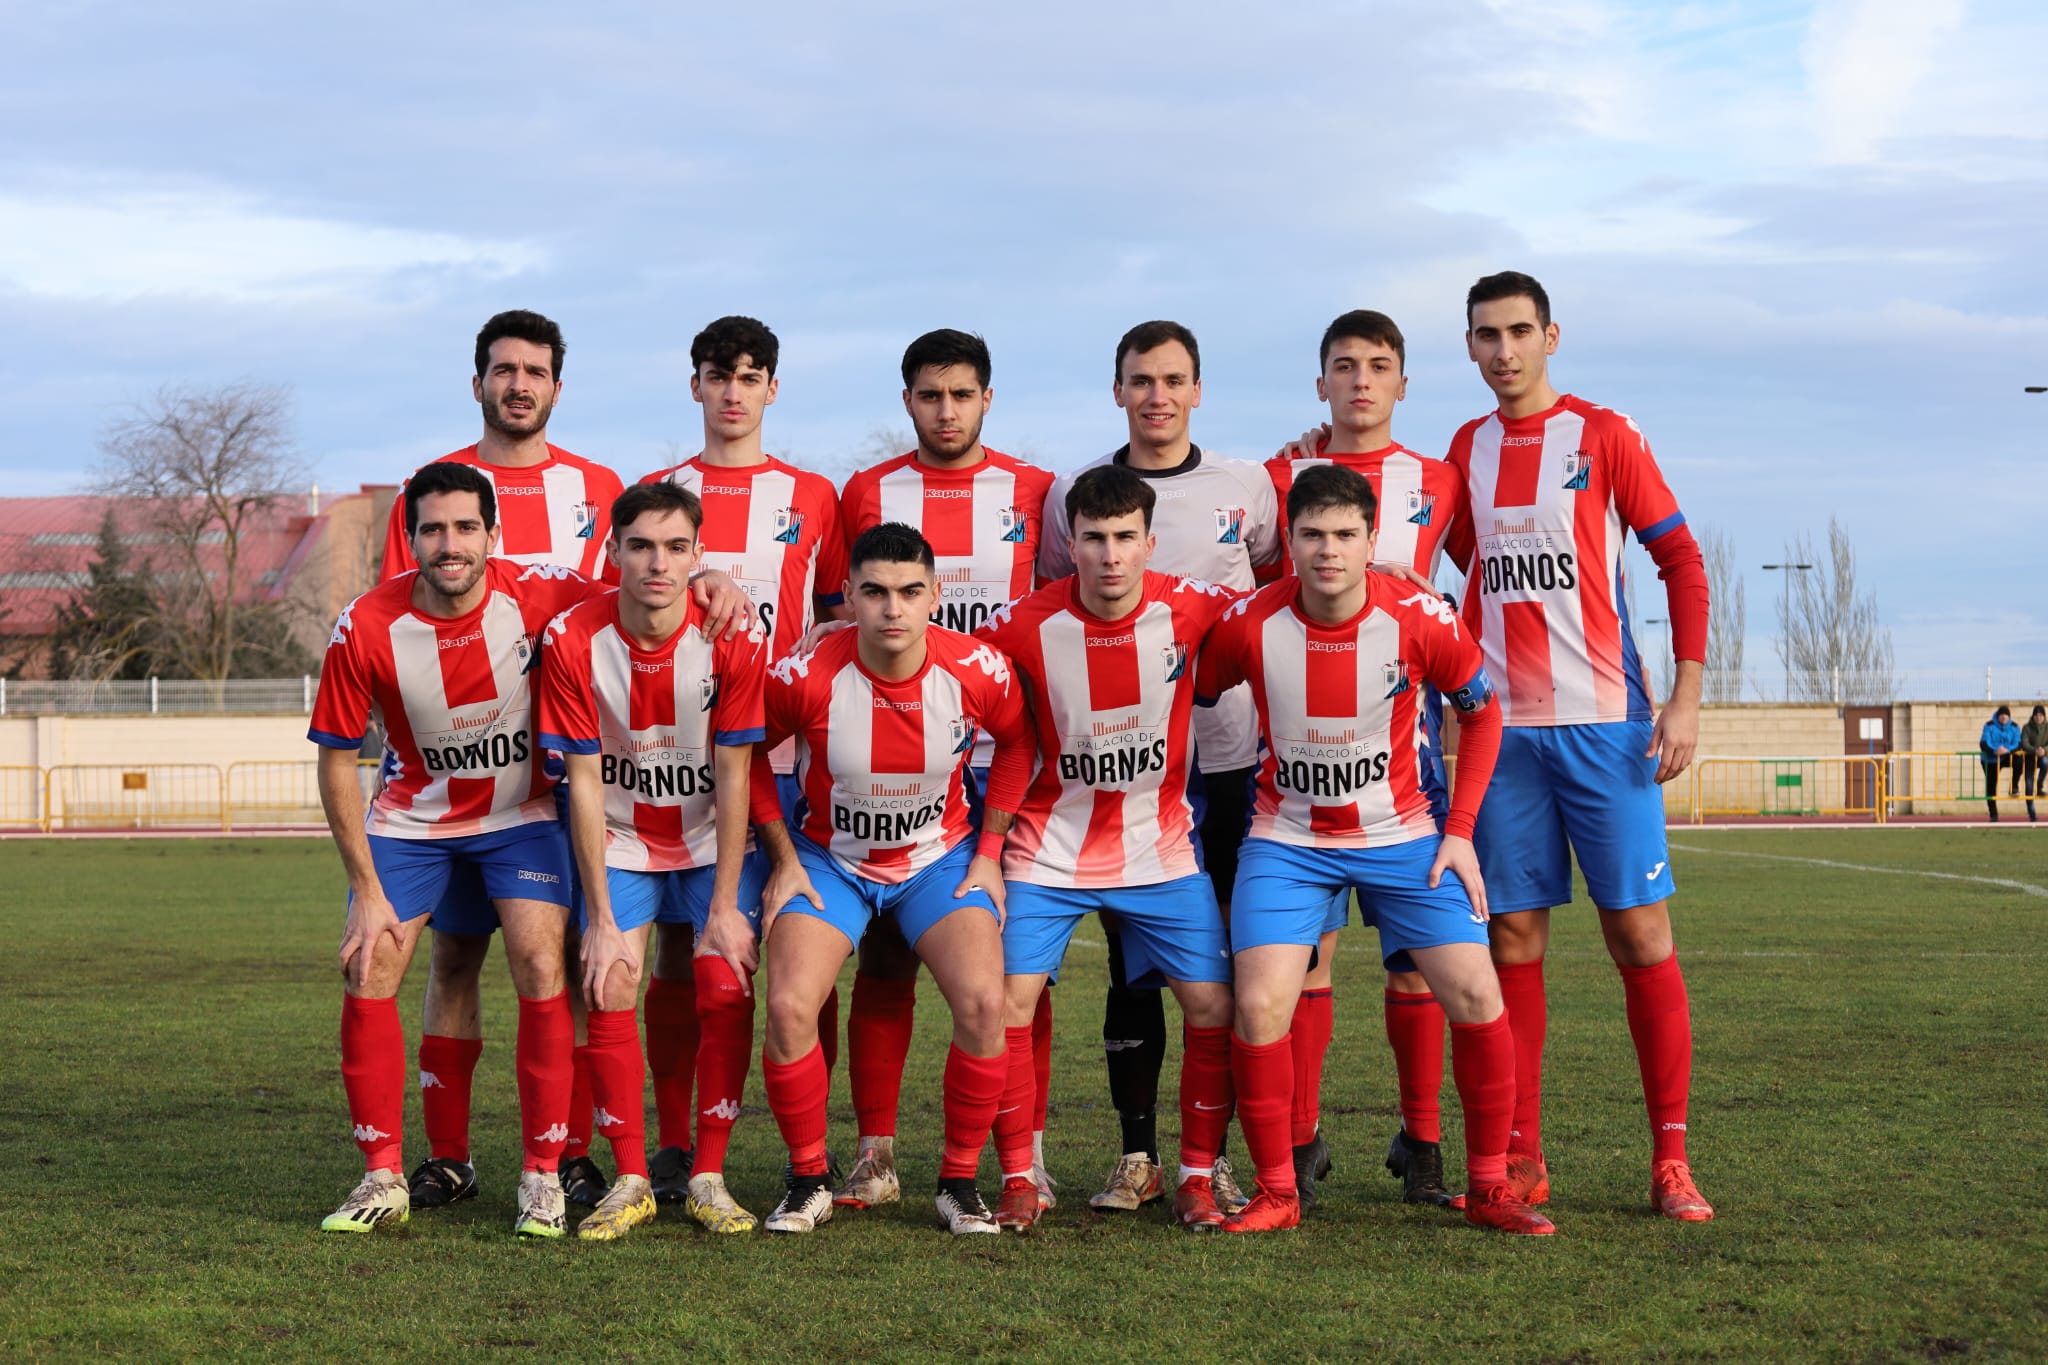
586	520
961	731
707	692
1578	468
1230	526
1396	675
1421	507
789	524
1176	655
1013	522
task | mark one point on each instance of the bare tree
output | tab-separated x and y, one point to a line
1832	644
1727	618
203	469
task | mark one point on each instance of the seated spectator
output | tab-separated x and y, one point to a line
2034	755
1997	747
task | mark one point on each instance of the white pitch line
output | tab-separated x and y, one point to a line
2027	887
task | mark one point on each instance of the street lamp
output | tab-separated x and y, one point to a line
1787	617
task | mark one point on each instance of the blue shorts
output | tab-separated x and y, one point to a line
681	896
790	793
1284	895
1564	789
1172	931
917	904
525	862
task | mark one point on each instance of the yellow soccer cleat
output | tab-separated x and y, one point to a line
625	1206
713	1207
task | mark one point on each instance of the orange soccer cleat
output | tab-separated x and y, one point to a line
1017	1207
1500	1207
1674	1195
1266	1213
1194	1204
1529	1178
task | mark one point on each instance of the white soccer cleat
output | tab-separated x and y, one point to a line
1229	1197
542	1210
1135	1182
806	1206
713	1207
873	1179
381	1198
961	1211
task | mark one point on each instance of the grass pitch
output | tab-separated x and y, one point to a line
1867	1118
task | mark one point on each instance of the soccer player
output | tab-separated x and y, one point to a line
884	717
981	512
775	529
1363	377
657	724
1106	825
1216	520
442	657
1336	658
552	507
1556	484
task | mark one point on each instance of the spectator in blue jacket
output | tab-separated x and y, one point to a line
1998	747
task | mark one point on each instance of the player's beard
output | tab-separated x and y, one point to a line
506	424
955	447
435	583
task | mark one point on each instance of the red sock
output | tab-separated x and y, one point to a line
543	1059
1521	988
672	1053
1013	1116
797	1092
447	1066
1264	1078
618	1085
373	1075
1206	1094
1314	1018
828	1029
1415	1030
582	1102
1483	1062
1660	1020
973	1090
725	1014
1041	1059
877	1046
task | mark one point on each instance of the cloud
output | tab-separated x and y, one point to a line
1864	61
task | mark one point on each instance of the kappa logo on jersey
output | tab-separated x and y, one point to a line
1396	675
1474	695
990	663
962	732
790	667
1421	507
342	626
586	520
1230	526
1012	521
1435	608
1238	608
707	692
1201	586
546	571
1578	468
789	525
1176	659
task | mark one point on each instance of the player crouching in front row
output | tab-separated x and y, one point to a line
885	716
1336	658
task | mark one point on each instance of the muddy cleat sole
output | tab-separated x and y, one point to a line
439	1181
712	1207
380	1200
873	1180
1229	1197
1502	1209
1194	1205
1265	1213
1135	1182
806	1206
961	1211
1673	1194
583	1182
669	1174
1529	1178
542	1212
625	1206
1017	1207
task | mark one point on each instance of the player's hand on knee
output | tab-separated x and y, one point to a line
606	947
728	935
1457	856
370	919
985	875
786	882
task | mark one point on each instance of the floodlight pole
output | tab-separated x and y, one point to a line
1787	618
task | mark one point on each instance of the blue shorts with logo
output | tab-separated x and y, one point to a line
1172	931
679	896
1564	789
1284	895
851	901
525	862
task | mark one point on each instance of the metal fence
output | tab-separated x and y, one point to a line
168	796
159	696
1838	786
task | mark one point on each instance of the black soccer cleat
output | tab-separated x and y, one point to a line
583	1183
441	1180
1419	1166
669	1173
1311	1163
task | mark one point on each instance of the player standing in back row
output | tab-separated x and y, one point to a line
1555	486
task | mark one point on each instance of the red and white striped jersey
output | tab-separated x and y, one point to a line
1419	499
983	521
1112	702
1343	756
1553	497
654	715
556	512
879	762
454	697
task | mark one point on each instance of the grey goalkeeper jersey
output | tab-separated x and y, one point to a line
1215	520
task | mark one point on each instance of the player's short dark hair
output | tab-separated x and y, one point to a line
1324	486
1363	324
1150	336
891	542
946	347
659	496
1109	490
1508	284
448	476
730	340
521	325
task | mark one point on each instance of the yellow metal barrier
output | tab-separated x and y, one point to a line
1848	785
21	791
134	796
273	793
1914	779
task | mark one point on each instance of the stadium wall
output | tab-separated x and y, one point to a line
47	741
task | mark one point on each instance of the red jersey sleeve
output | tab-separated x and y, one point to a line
1280	471
1225	657
1446	656
996	695
565	713
855	514
1647	506
742	671
341	708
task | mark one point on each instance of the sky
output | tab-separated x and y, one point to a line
1801	244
